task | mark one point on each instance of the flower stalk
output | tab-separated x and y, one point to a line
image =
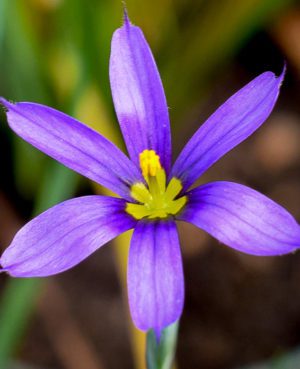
160	353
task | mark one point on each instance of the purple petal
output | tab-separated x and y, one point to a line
231	124
242	218
155	276
64	235
73	144
138	95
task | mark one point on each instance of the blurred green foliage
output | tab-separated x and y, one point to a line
56	52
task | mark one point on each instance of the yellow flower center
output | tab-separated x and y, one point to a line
156	199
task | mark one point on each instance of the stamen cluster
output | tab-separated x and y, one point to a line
156	199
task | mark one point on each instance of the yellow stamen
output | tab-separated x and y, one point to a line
156	199
149	163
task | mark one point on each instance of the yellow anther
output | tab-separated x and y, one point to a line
149	163
156	198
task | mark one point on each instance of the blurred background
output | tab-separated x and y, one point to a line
240	311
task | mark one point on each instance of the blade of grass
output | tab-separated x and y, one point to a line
3	17
19	297
16	307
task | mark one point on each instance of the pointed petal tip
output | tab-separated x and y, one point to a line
280	77
284	68
126	19
282	74
5	103
277	77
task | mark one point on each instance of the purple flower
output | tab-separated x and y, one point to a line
152	194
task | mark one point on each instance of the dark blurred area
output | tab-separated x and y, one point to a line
239	309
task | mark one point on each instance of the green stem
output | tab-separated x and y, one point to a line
160	355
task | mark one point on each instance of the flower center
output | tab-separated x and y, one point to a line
156	199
